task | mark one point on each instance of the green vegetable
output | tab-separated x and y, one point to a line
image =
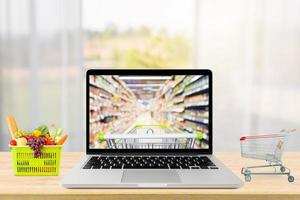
19	133
59	132
44	129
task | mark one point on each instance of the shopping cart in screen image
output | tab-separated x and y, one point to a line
268	148
151	137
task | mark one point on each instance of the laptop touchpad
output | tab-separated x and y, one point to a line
149	176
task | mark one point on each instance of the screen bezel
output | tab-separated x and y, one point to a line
161	72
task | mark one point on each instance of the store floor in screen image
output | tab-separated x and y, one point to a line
148	112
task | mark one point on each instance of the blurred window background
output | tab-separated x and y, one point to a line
252	46
41	74
138	34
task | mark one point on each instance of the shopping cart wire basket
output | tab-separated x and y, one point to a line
269	148
150	141
151	136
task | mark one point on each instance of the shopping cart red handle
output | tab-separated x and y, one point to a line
267	136
262	136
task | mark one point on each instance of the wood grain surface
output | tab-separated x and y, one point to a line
261	187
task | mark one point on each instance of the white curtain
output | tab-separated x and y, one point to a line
41	77
253	47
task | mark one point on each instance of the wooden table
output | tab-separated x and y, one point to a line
261	187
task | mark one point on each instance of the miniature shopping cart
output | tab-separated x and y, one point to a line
151	137
268	148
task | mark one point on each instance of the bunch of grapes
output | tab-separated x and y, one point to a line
36	144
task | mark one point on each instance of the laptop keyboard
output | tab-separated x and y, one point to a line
150	162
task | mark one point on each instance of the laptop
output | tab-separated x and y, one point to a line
149	129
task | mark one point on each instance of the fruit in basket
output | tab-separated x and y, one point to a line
37	139
49	140
47	136
29	137
36	144
21	133
37	133
22	141
62	140
13	143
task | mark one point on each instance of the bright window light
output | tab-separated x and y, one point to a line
138	34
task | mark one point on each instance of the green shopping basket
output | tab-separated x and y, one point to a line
25	164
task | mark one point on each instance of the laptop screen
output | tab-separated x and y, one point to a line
148	111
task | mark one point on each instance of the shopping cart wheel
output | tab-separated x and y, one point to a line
291	179
243	170
282	169
247	178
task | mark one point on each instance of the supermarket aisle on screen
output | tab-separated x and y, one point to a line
148	105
